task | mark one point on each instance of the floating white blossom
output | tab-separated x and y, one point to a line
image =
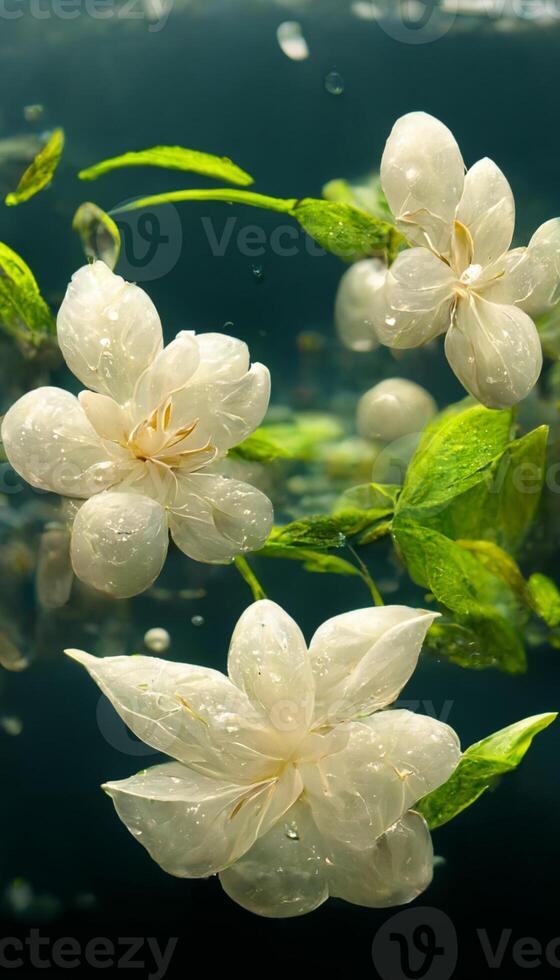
354	303
286	782
142	446
394	408
460	276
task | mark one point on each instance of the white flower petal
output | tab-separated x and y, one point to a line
194	825
495	351
107	417
173	367
108	331
119	542
353	305
222	358
194	714
50	443
293	869
391	760
394	408
422	175
414	305
362	659
284	874
213	518
531	276
397	869
227	410
268	660
487	209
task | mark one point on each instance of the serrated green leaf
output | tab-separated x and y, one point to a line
497	561
360	509
479	767
98	233
173	158
500	503
40	171
480	600
260	447
545	598
316	532
24	314
453	455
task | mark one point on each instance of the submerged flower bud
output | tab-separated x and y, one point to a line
394	408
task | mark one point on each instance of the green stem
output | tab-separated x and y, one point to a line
230	195
364	572
248	575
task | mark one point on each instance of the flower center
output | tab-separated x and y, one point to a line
471	274
156	439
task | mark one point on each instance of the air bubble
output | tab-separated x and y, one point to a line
334	83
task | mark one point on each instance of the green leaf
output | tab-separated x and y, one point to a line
312	561
40	171
347	231
302	437
366	194
480	600
98	232
453	455
173	158
499	563
226	194
545	598
314	532
259	447
360	509
548	326
340	228
479	767
23	312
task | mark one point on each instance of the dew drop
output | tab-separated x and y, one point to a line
291	831
334	82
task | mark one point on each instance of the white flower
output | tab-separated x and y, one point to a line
138	446
353	304
460	277
394	408
285	781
